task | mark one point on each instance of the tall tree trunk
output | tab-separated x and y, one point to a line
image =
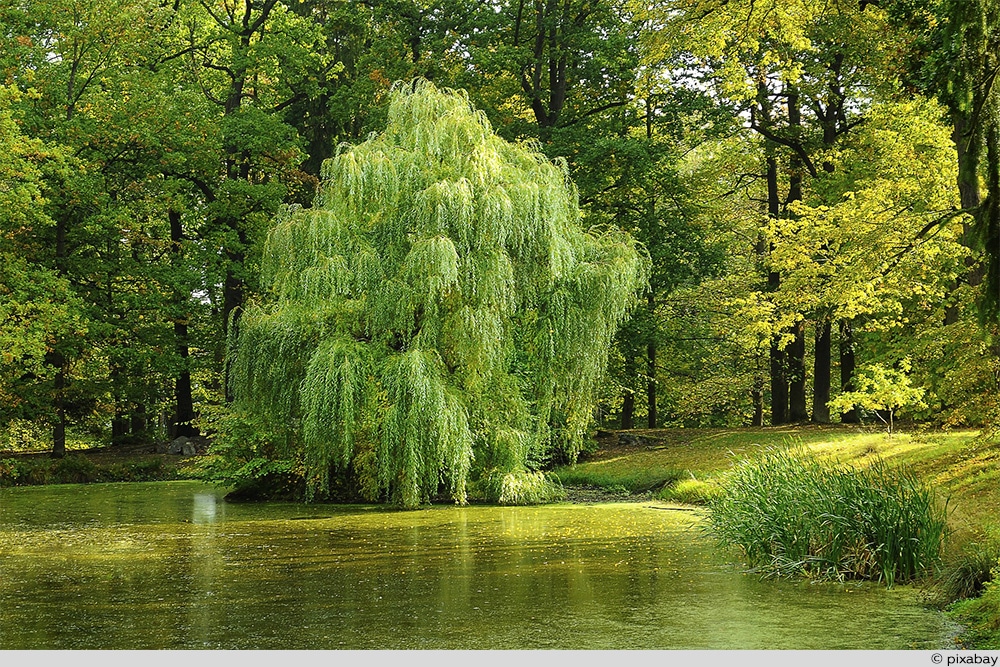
847	367
757	400
967	147
779	382
779	386
990	225
57	359
138	421
628	400
119	425
821	374
59	427
796	351
651	384
120	418
183	400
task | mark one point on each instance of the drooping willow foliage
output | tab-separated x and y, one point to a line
440	315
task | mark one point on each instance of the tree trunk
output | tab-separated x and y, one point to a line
990	226
796	352
183	401
651	384
821	375
138	422
757	400
967	149
59	427
847	368
119	425
779	383
58	360
628	400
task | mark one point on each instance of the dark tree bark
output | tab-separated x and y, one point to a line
757	400
628	400
821	374
967	148
59	426
57	359
796	351
651	384
183	400
137	423
990	225
779	382
847	367
119	426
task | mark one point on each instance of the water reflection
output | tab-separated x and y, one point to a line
203	510
171	565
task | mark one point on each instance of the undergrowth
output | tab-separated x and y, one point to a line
78	469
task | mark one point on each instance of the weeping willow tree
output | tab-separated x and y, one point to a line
439	317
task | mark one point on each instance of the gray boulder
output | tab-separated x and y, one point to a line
180	445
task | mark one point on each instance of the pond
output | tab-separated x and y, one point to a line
170	565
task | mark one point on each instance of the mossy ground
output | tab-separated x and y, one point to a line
687	466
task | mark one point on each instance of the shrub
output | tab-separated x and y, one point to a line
140	470
250	456
73	469
9	472
633	479
790	514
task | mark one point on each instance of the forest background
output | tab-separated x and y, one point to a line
816	184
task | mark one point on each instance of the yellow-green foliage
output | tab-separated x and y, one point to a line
439	312
520	488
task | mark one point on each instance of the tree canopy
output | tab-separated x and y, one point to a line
815	188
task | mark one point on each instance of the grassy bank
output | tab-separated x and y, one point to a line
688	465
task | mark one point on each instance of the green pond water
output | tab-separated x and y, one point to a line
171	565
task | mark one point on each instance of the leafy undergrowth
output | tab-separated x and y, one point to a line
80	468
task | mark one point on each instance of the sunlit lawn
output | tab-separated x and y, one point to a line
684	464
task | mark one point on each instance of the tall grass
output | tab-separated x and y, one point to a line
791	514
966	574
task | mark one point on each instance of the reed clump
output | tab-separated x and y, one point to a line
791	514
